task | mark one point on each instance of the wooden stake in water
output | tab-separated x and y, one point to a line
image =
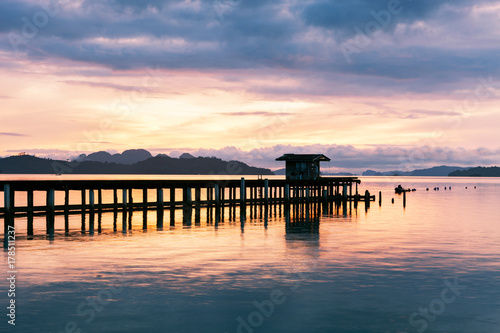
9	208
404	199
242	190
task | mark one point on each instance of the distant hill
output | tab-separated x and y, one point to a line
439	171
336	174
25	164
477	172
162	165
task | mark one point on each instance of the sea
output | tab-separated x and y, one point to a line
432	265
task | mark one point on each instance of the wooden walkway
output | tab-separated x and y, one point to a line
195	194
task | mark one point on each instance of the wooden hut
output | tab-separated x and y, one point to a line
303	166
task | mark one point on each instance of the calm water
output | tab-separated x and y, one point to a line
432	267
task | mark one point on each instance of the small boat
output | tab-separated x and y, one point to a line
400	189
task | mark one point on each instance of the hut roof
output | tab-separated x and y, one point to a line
303	157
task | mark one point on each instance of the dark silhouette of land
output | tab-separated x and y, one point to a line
477	172
438	171
161	165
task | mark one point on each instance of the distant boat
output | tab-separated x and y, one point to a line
400	189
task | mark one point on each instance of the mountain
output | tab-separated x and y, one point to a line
186	155
130	156
155	165
280	172
477	172
372	173
439	171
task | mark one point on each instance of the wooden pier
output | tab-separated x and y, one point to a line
168	195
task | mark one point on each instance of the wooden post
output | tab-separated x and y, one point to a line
367	199
344	192
9	209
287	193
84	201
188	202
124	201
172	198
404	199
66	199
217	194
159	198
145	197
91	214
172	206
266	190
99	200
131	198
187	195
197	197
380	198
50	211
30	212
159	208
307	194
115	198
91	201
242	191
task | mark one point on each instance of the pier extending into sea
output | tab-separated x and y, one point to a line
195	194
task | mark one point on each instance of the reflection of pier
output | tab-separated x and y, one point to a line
193	195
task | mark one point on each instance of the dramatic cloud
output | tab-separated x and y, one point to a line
251	74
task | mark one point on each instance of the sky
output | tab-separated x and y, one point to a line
372	84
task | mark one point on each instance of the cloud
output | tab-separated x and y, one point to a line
254	113
114	86
356	160
287	37
12	134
